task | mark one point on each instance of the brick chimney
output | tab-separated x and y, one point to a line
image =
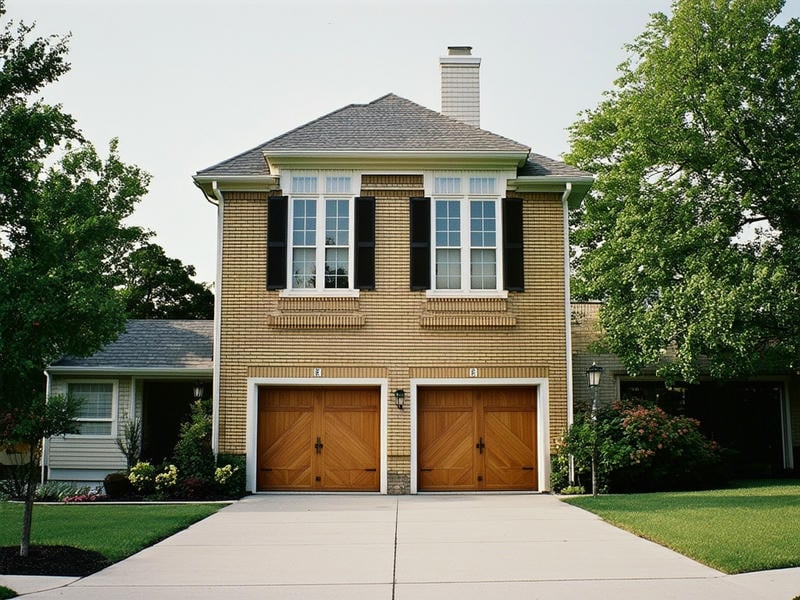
461	90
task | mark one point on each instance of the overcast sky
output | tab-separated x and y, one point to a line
185	84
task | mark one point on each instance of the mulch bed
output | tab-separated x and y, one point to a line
51	560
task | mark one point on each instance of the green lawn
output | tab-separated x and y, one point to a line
116	531
751	527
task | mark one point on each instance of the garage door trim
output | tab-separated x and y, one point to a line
253	383
542	418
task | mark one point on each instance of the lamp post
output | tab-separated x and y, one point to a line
593	373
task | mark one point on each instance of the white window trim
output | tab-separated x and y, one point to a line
321	196
114	408
465	197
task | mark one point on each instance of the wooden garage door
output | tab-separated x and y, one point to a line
318	439
476	439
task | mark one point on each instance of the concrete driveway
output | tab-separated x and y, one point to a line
413	547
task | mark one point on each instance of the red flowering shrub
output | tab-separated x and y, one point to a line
640	448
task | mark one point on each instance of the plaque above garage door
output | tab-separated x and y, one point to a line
472	439
318	439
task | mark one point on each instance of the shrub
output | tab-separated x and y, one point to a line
230	475
129	441
117	485
167	480
195	488
641	448
143	477
56	491
193	455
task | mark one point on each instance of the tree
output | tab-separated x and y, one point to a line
159	287
691	236
60	230
42	418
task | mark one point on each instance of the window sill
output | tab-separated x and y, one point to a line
466	312
466	294
317	312
329	293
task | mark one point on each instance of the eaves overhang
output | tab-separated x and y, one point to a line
236	183
554	183
393	159
176	372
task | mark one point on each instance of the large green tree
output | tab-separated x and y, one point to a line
691	236
61	212
159	287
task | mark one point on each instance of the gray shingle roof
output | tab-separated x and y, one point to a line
154	344
390	123
539	165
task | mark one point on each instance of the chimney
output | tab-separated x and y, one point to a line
461	90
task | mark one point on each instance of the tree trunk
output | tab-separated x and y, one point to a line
30	489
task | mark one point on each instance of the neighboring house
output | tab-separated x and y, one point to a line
393	300
148	373
757	419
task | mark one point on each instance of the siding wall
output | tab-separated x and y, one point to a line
390	332
75	453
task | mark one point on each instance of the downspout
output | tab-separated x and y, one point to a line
217	316
568	319
45	441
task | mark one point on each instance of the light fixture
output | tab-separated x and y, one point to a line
593	373
197	391
400	398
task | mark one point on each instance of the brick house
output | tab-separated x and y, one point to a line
393	300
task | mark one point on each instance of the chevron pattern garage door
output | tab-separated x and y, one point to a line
318	439
472	439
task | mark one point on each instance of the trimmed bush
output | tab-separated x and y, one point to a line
117	485
193	455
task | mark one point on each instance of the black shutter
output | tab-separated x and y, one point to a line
513	255
420	236
277	232
364	258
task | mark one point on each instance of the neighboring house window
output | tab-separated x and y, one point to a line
323	234
467	236
95	416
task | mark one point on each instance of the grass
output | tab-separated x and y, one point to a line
7	593
115	531
752	526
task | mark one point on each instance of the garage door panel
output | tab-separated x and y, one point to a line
477	439
318	439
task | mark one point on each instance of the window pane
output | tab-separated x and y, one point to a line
304	185
483	270
337	222
304	267
448	269
337	185
94	428
481	185
97	399
446	185
336	268
448	223
304	223
483	224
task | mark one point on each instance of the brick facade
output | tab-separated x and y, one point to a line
389	333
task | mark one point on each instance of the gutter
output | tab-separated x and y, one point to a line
220	204
568	319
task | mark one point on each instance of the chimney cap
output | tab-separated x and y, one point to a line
459	50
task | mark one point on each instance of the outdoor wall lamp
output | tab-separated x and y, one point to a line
197	391
400	398
593	373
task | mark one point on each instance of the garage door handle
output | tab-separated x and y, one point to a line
426	470
480	445
265	469
370	470
318	446
527	468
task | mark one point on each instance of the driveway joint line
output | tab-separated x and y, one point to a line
394	561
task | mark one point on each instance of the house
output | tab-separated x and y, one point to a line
756	420
393	300
149	373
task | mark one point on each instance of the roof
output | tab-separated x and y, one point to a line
152	345
539	165
390	123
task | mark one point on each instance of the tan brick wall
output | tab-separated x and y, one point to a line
388	338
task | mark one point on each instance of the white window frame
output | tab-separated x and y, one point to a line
465	198
320	197
114	408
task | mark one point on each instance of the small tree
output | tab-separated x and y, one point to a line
28	426
129	441
193	454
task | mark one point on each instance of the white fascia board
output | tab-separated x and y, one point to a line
394	159
239	183
137	371
554	183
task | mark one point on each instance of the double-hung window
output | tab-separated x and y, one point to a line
96	413
465	224
321	232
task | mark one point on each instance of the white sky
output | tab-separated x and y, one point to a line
185	84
